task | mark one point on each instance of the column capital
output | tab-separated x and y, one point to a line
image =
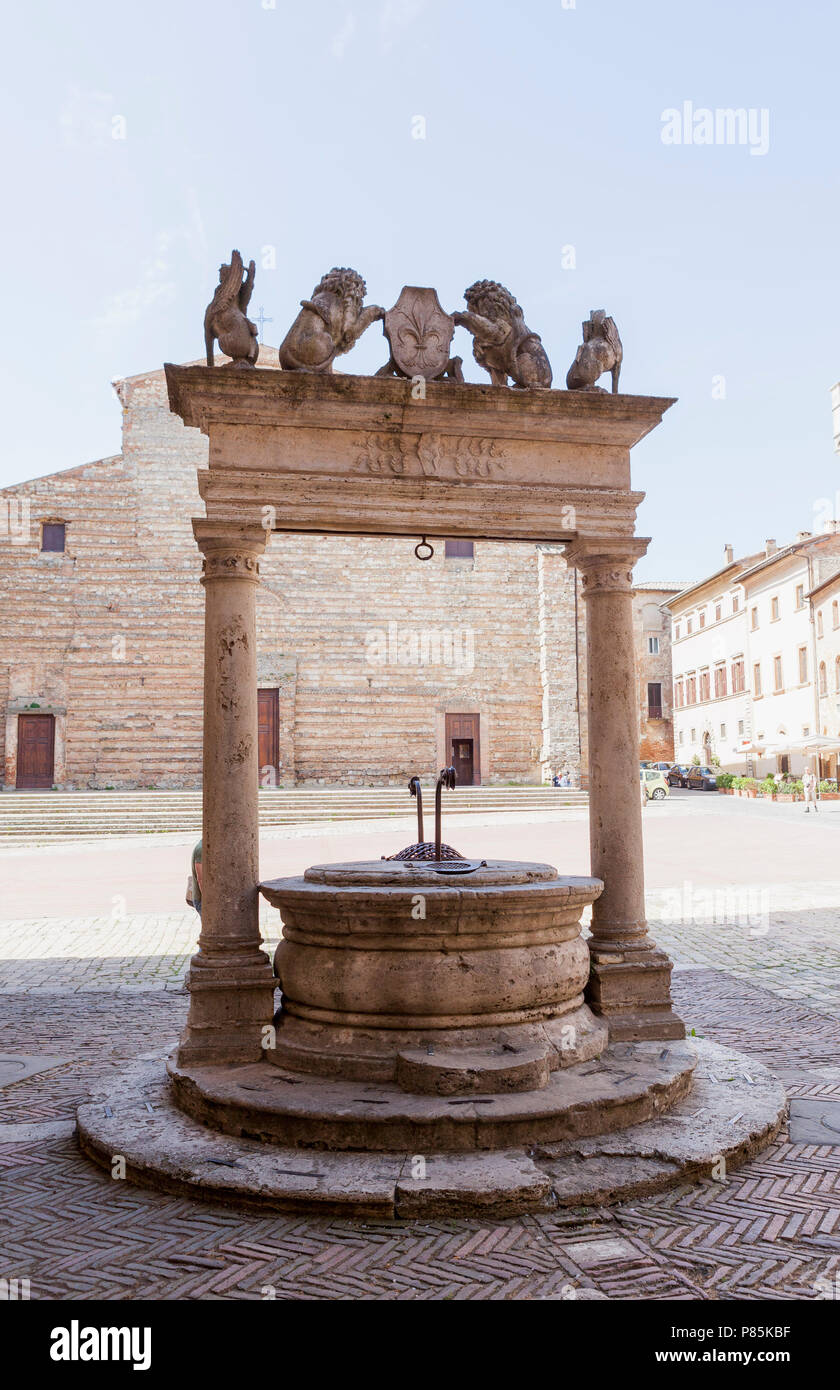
606	562
231	549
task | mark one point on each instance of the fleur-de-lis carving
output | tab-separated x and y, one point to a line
421	338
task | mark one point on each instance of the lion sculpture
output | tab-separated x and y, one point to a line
329	323
503	344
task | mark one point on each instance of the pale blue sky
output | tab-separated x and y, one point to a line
291	126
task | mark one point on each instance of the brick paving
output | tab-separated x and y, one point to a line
109	989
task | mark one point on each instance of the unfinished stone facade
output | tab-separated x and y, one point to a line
652	628
368	648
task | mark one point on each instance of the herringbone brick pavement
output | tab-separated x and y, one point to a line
770	1231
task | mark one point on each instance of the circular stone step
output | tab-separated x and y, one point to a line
629	1083
734	1110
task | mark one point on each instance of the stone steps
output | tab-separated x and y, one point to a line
51	814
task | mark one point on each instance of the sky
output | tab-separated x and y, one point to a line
142	141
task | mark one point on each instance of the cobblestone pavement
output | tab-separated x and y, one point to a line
758	972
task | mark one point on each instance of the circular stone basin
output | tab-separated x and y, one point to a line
391	971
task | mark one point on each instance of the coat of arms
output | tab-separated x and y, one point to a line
420	334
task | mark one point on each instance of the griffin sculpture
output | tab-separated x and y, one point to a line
226	318
600	352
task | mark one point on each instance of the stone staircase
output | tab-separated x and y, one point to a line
39	816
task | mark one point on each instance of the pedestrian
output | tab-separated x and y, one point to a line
194	880
809	787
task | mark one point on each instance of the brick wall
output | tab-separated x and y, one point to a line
369	647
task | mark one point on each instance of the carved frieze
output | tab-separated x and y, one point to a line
431	456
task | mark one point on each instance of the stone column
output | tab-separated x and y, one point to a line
231	979
630	979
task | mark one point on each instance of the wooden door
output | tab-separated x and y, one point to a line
463	748
268	726
36	750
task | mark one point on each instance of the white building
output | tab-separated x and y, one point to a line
744	654
825	602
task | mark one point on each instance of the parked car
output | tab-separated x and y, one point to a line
677	775
656	788
645	764
701	779
662	767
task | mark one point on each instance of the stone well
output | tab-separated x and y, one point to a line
435	1012
391	971
434	1054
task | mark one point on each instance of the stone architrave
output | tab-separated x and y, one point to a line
420	333
630	978
231	979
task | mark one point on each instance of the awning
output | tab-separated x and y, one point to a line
813	743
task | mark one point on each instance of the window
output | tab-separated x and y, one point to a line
738	675
774	609
823	679
688	626
837	675
679	694
682	736
691	690
757	680
702	619
803	665
654	695
720	682
736	603
835	614
459	550
653	646
819	624
753	618
705	692
693	735
718	612
723	731
53	535
740	728
800	595
777	673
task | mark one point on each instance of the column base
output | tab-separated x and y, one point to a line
230	1007
631	992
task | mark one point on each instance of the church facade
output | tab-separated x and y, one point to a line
372	664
